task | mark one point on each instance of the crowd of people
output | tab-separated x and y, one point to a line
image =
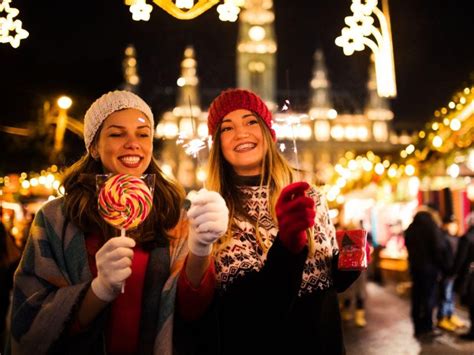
441	264
249	262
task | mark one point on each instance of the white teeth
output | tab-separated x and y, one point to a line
130	159
245	146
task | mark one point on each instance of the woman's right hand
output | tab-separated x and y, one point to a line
113	261
209	219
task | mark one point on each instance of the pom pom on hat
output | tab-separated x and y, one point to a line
106	105
235	99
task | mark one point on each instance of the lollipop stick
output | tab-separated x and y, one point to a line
122	234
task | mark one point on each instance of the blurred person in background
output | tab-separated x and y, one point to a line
464	267
447	319
9	258
425	247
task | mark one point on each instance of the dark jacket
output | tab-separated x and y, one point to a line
426	247
462	266
275	302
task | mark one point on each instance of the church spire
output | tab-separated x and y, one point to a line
188	108
130	72
321	103
188	81
256	50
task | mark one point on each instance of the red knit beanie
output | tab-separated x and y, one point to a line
235	99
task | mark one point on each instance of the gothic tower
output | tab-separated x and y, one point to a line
320	88
256	50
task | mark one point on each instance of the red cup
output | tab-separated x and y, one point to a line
352	249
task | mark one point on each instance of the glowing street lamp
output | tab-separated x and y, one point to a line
362	33
64	103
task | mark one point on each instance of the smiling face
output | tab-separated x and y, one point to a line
124	144
242	142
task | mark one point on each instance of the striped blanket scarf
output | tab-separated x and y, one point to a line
54	275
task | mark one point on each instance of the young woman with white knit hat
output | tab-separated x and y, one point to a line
67	295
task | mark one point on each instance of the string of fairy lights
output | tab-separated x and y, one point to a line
438	150
45	183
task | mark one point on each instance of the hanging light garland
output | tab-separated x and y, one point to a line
11	30
185	9
440	149
362	33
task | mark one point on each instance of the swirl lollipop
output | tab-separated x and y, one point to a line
124	201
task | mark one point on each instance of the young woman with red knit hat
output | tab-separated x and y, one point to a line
276	266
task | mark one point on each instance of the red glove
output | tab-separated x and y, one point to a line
295	213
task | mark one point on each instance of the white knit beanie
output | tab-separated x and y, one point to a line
108	104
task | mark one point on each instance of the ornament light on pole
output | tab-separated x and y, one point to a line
11	30
361	32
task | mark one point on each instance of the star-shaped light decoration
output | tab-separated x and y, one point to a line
10	11
350	41
361	32
11	30
184	4
228	11
141	10
360	22
366	8
20	33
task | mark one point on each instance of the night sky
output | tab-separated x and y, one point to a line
76	48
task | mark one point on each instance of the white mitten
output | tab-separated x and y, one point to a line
208	217
113	261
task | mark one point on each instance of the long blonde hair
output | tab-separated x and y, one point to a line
276	174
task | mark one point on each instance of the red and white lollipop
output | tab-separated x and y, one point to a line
125	201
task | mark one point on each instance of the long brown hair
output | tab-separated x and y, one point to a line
276	174
81	202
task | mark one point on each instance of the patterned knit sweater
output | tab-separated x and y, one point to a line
275	301
243	254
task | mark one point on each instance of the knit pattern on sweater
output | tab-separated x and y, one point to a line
242	254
